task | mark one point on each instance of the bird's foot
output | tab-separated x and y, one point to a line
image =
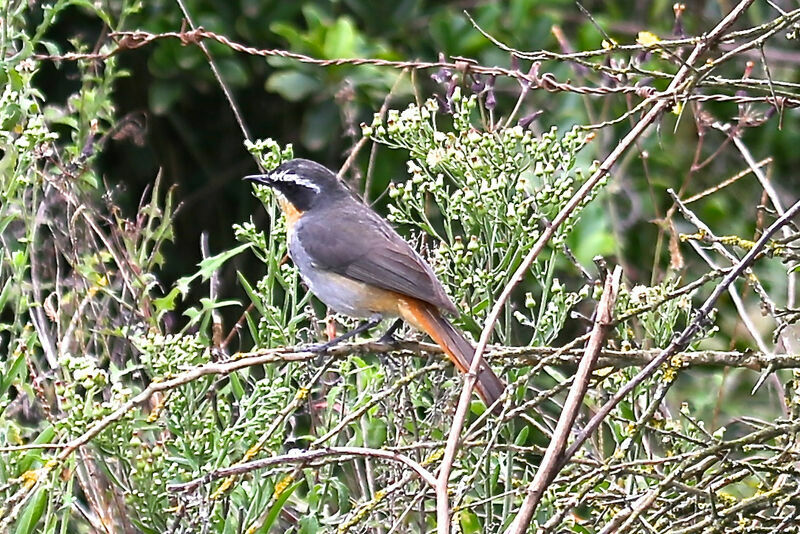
321	348
388	339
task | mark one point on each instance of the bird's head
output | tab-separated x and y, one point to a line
301	182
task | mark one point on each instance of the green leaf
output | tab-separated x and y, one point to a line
252	325
16	369
254	298
233	72
51	47
340	40
32	512
207	268
35	455
163	94
343	494
319	126
5	221
293	85
309	525
376	433
209	265
292	35
522	437
276	508
626	410
167	302
469	522
236	387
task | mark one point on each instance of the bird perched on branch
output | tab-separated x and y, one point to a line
357	264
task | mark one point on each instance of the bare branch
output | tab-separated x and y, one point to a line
303	457
551	463
686	336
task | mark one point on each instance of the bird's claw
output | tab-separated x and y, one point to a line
388	339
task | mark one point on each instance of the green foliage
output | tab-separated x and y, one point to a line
281	306
90	326
492	188
208	267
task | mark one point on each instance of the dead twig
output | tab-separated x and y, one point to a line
303	457
442	499
551	463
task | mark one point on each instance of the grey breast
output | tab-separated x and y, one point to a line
342	294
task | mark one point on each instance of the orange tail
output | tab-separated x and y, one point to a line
428	319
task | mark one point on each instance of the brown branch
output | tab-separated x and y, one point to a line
618	359
442	499
523	355
551	463
302	457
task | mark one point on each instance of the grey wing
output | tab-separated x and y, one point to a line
364	247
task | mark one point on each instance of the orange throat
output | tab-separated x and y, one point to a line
292	213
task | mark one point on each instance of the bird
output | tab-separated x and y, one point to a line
357	264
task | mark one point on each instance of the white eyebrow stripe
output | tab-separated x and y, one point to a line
288	176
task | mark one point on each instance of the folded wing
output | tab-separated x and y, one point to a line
366	248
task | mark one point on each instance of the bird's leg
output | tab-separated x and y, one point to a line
373	321
388	336
388	339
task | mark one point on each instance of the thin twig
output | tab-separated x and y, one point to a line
228	94
302	457
442	499
361	142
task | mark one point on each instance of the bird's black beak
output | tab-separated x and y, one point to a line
261	179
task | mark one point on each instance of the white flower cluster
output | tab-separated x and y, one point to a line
269	152
84	370
659	314
165	354
25	129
